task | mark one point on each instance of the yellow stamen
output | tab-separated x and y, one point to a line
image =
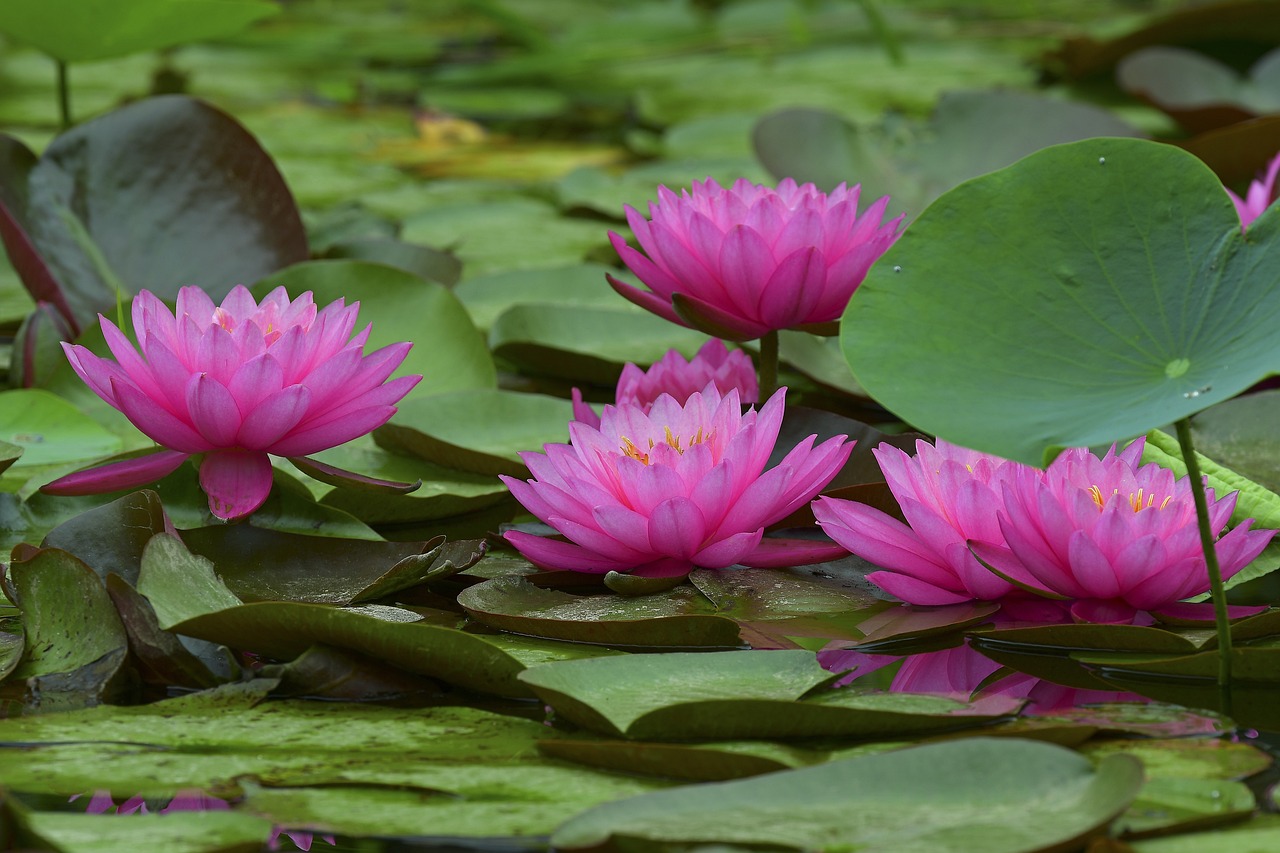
671	440
1137	501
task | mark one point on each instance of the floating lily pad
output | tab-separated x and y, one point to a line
1259	834
422	261
110	538
482	430
183	832
70	31
1167	806
1092	365
976	793
969	134
267	565
100	184
9	453
1236	433
463	765
579	285
586	344
729	695
1199	92
679	617
1187	758
50	432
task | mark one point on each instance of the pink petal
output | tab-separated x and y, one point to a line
237	482
126	474
273	418
213	410
777	553
554	554
156	423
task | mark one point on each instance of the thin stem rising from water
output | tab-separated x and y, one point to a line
1221	621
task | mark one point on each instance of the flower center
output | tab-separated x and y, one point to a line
672	440
1137	500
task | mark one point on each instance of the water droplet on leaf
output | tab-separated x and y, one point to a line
1102	161
897	268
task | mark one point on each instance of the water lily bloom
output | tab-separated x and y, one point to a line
235	383
749	260
656	493
948	495
672	375
1259	196
1117	539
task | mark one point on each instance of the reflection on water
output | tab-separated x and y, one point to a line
960	671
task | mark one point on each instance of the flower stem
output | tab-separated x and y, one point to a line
64	96
768	364
1221	621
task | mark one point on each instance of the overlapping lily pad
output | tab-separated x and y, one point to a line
98	186
742	694
969	134
481	431
1197	90
995	795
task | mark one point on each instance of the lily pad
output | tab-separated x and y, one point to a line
1199	92
579	285
110	538
74	641
9	453
680	617
976	793
401	306
1236	433
101	184
184	832
969	134
1093	366
70	31
740	694
268	565
586	344
50	432
482	430
1187	758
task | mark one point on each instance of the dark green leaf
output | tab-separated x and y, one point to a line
110	538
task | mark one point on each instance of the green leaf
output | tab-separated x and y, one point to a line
969	134
739	694
586	344
972	794
180	832
74	641
1113	292
50	432
449	353
268	565
100	185
393	635
579	285
1199	92
1187	758
533	235
1259	834
481	431
180	585
422	261
678	617
9	453
110	539
76	31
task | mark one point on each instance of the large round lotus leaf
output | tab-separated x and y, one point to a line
79	31
1089	292
159	194
447	351
995	795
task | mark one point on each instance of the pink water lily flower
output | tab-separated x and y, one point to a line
235	383
1117	539
948	495
1259	196
673	375
656	493
749	260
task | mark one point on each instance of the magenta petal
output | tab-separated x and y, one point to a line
668	567
553	554
213	410
126	474
156	422
236	481
1186	611
273	418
